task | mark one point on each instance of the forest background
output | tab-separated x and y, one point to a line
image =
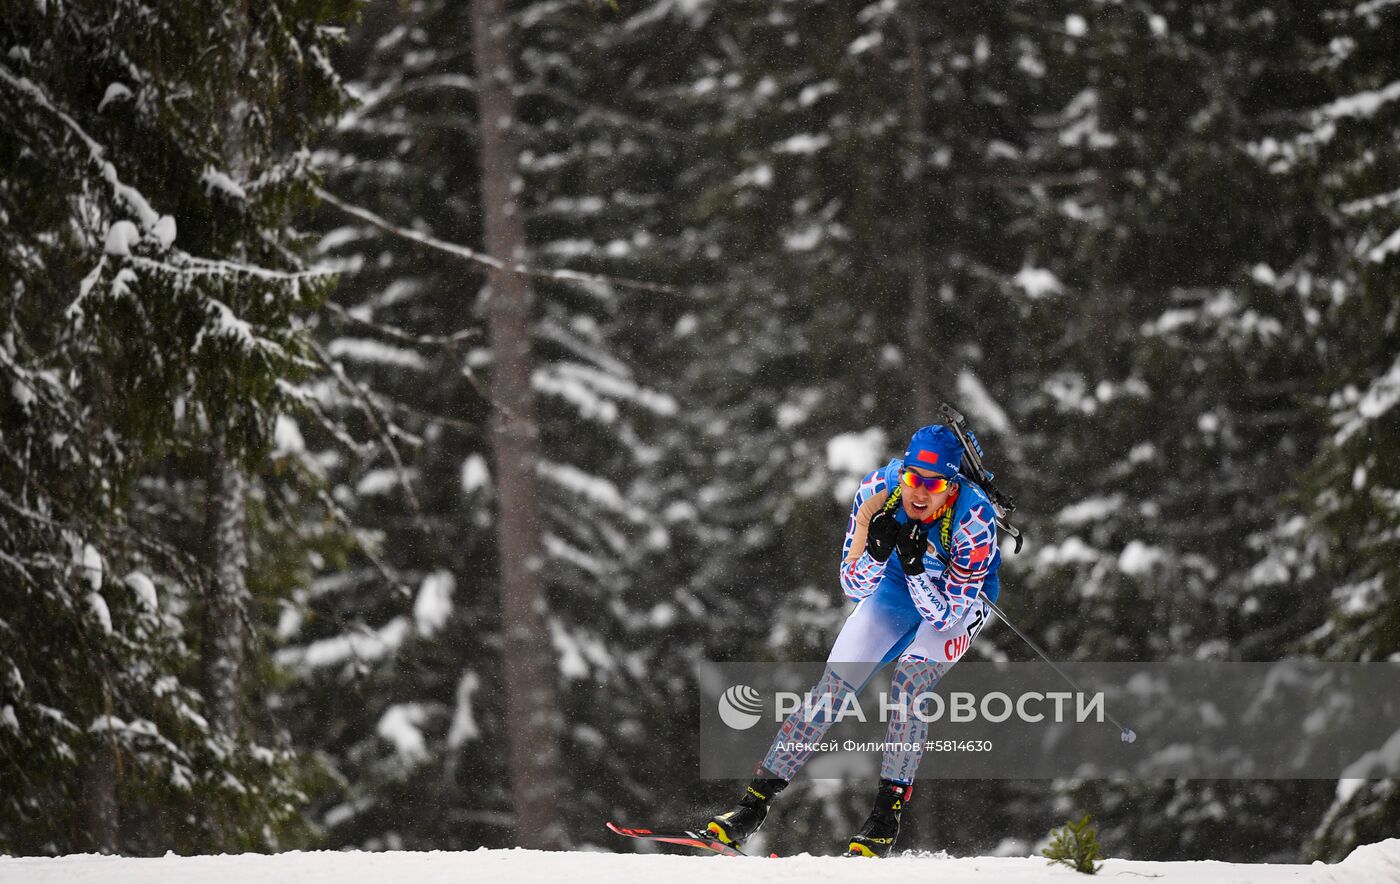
398	398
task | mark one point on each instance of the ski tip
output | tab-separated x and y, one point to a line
682	837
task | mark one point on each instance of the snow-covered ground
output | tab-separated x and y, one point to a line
1378	863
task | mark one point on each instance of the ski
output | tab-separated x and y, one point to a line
683	837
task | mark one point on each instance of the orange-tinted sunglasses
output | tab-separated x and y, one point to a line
935	484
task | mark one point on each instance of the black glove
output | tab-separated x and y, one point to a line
879	540
910	545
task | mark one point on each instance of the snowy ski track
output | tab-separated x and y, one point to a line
1378	863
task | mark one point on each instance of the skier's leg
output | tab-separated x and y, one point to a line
926	660
910	690
922	664
807	725
875	632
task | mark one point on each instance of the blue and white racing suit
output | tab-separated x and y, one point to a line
927	622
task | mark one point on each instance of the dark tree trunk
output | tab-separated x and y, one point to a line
226	605
922	383
101	813
226	602
531	705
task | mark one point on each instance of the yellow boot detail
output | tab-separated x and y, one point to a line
860	850
718	831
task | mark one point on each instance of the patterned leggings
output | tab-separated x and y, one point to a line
913	676
883	625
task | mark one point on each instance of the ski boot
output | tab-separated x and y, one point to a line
876	837
734	827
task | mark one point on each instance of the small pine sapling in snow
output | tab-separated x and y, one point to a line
1076	845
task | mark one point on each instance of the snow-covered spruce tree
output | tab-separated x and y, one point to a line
1346	550
406	692
150	295
1172	407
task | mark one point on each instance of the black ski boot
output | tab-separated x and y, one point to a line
876	837
735	826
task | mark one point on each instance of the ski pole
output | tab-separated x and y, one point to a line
1126	734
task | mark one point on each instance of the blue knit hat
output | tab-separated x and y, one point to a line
935	448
